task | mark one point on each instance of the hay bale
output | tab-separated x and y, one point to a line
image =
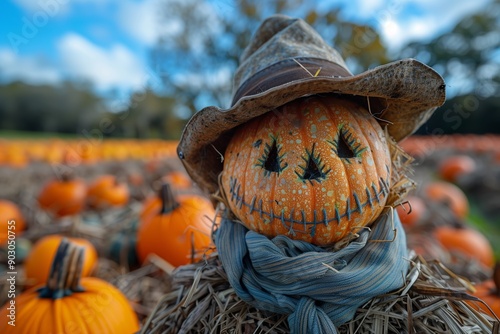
432	301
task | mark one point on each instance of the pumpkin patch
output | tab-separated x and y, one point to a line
113	230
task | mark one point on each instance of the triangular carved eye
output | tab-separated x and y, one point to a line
271	160
345	146
313	169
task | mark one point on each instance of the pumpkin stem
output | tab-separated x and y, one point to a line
65	273
168	202
67	176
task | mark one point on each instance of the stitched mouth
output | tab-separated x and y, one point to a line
375	194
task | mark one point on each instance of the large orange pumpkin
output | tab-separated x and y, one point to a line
179	232
450	195
68	303
63	197
11	221
39	260
412	212
453	167
489	292
315	169
467	241
106	191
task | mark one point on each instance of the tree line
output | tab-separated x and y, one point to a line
196	64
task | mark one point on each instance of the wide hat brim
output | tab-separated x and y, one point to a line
406	93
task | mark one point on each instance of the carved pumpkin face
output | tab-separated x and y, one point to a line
314	169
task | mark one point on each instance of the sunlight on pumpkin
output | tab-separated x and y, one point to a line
180	229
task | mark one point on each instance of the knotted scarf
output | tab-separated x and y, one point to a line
317	288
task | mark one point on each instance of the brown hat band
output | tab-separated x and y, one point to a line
288	70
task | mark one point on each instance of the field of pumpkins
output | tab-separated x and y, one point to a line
101	226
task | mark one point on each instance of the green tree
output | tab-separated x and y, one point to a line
467	56
149	115
202	42
66	108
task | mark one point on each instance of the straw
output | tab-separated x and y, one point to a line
432	301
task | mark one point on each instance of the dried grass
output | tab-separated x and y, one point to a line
401	183
432	301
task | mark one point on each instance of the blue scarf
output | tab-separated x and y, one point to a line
318	289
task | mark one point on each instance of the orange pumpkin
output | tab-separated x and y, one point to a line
178	180
315	169
37	263
412	213
467	241
450	195
11	221
63	197
107	192
179	232
135	179
451	168
68	303
489	292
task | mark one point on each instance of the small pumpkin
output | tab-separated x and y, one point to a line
68	303
63	197
39	260
412	211
106	191
453	167
180	231
315	169
489	292
450	195
467	241
11	221
178	179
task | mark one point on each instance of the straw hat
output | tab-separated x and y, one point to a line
286	59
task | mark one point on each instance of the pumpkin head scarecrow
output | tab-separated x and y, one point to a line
302	159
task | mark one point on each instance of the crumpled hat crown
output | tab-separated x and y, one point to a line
285	60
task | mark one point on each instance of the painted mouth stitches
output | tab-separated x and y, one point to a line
373	195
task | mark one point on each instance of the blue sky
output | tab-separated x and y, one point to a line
106	42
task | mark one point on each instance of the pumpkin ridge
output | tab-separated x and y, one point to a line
239	200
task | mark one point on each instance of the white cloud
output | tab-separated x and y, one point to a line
398	25
141	20
402	21
146	21
115	67
31	69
